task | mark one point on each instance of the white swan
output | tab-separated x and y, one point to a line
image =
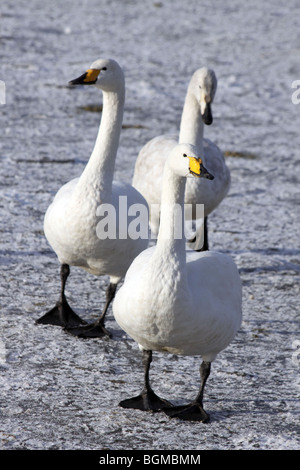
71	221
178	301
148	170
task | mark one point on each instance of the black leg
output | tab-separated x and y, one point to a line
193	411
205	237
147	400
96	329
61	314
205	243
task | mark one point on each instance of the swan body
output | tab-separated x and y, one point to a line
192	313
81	245
196	112
176	300
71	221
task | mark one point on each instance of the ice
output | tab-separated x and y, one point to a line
60	392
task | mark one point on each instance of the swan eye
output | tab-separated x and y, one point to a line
184	155
104	68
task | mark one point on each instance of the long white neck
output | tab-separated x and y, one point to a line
98	173
171	239
191	126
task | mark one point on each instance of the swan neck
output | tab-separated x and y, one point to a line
171	239
99	171
191	125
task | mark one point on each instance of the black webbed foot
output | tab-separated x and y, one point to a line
146	401
61	315
192	412
94	330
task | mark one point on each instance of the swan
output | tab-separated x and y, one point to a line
147	177
71	221
179	301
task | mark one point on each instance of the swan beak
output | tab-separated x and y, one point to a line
207	116
197	169
88	78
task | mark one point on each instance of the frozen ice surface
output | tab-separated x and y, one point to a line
60	392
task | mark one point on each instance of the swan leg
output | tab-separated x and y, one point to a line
61	314
193	242
147	400
205	237
194	411
96	329
205	243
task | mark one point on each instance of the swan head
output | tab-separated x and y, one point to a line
204	86
184	161
105	74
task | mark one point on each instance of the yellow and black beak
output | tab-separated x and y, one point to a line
197	169
88	78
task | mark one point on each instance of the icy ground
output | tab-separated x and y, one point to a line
59	392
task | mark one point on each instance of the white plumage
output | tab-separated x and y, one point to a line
178	301
149	166
71	221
